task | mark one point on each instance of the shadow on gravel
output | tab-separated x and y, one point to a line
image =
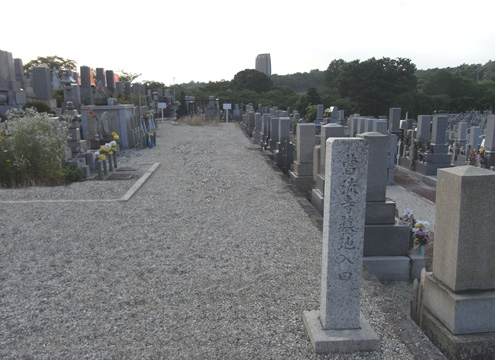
416	186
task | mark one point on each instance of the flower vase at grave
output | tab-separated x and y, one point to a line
105	171
114	156
421	250
110	162
98	167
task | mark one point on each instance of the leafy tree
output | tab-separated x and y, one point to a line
333	72
125	76
311	113
373	84
462	93
216	87
313	96
58	62
251	79
281	96
487	99
301	104
468	71
299	82
154	85
488	71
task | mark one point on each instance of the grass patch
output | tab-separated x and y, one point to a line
199	120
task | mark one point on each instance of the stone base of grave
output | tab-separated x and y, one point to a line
430	169
303	183
261	140
391	176
418	263
75	134
78	146
386	240
380	212
320	182
460	313
339	341
256	137
269	154
317	200
68	153
303	168
473	346
406	163
389	268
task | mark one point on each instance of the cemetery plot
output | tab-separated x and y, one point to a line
121	182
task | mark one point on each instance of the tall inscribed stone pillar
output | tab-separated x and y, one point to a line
339	326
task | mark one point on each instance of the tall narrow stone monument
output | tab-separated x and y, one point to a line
339	327
317	194
490	141
302	175
394	120
284	148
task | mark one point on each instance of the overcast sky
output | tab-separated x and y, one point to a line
213	40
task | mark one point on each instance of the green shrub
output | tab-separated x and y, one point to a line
39	106
72	174
32	149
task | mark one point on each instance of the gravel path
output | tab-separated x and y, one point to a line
213	258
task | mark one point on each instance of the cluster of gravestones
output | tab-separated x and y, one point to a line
344	170
92	111
441	141
387	243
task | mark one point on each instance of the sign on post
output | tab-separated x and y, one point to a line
227	107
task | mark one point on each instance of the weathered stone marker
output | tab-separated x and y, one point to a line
457	300
338	326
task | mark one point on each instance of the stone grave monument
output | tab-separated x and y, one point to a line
302	175
284	148
317	194
338	326
11	95
455	304
42	86
436	155
386	243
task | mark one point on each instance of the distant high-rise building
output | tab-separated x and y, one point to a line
264	64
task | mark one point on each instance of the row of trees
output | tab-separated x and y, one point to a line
367	87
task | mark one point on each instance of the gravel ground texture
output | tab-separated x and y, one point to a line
212	258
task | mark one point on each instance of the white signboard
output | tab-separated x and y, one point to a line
227	106
162	105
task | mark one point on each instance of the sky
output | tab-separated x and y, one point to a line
196	40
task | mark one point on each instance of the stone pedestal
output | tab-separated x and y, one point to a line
338	326
386	244
458	297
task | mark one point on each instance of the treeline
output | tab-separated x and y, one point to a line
367	87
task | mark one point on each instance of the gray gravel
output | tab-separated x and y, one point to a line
213	258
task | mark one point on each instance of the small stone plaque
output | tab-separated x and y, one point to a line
126	169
